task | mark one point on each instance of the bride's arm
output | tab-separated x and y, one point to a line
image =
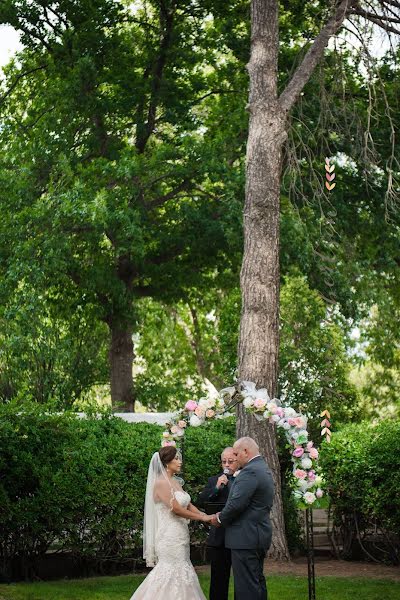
164	493
194	509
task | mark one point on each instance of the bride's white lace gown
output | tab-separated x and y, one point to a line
173	577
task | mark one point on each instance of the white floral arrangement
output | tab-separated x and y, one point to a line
195	413
257	402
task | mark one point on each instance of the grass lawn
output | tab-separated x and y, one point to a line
280	587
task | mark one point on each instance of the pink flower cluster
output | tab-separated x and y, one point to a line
258	402
304	454
191	405
195	413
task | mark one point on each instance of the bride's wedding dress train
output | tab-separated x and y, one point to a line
173	577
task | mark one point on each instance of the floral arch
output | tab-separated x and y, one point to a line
257	402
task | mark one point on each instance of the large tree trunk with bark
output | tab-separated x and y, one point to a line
121	363
259	326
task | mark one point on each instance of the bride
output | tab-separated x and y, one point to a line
167	512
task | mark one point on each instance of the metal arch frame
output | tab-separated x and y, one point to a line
310	554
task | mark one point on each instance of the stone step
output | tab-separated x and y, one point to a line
320	517
320	522
320	540
320	514
320	529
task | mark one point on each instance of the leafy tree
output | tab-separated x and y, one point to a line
314	360
106	171
378	375
123	130
50	353
314	365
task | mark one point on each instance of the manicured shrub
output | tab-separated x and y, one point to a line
362	471
72	484
77	485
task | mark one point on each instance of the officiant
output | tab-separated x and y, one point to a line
213	498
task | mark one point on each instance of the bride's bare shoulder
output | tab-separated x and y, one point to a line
161	483
162	488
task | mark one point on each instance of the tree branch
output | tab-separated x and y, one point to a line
314	54
19	77
36	121
391	3
34	34
60	17
145	130
213	92
381	20
174	192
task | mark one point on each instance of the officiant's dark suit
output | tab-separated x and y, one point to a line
248	529
220	556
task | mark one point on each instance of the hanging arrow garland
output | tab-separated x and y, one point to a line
326	425
330	175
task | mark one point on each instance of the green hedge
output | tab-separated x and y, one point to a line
73	483
362	471
77	485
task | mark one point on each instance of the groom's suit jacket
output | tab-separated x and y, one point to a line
245	516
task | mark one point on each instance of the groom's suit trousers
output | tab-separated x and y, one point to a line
248	574
248	529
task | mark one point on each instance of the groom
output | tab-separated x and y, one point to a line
246	520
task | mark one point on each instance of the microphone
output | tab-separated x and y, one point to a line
226	472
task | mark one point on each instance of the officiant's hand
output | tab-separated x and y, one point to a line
222	480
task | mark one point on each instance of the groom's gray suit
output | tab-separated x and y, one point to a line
248	527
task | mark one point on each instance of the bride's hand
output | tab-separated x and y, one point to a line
206	518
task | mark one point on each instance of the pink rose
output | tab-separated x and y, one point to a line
182	424
310	445
298	452
292	422
199	411
319	493
280	411
174	429
259	403
299	422
191	405
313	452
300	474
309	497
311	475
210	413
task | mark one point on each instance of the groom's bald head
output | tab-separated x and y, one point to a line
244	449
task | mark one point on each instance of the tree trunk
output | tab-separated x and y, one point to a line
259	327
121	363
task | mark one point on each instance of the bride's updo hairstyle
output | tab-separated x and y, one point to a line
167	454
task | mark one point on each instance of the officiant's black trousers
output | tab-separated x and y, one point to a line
248	574
220	558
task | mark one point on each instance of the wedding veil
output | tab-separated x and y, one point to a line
150	524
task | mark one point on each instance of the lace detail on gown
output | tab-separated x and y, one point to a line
173	577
